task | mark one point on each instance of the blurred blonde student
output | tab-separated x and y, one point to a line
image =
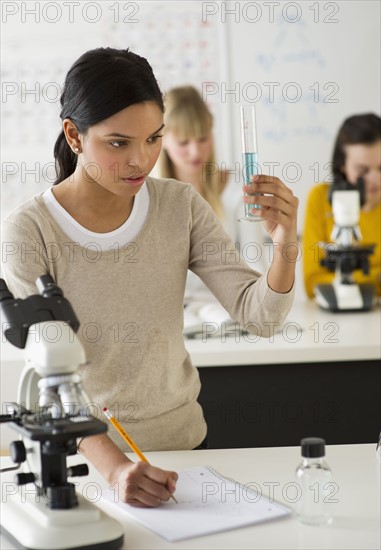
188	155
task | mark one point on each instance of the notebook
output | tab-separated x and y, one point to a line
207	503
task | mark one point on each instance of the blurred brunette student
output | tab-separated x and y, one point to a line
127	241
356	154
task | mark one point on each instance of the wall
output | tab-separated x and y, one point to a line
40	42
306	65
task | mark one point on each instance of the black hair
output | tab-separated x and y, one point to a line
99	84
364	129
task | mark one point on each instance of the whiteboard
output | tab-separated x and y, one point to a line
41	40
307	66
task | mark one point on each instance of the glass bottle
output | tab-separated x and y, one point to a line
313	475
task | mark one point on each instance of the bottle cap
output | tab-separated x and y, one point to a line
313	447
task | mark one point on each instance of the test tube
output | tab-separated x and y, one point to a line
249	155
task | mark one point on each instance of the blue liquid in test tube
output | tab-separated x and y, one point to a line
250	166
249	154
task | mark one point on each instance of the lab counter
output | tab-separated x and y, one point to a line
309	334
319	374
355	503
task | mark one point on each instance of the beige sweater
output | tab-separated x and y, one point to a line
130	305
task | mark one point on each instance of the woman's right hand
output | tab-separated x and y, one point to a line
141	485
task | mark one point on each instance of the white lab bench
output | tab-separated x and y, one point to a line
356	514
309	334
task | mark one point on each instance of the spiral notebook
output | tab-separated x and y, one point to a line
207	503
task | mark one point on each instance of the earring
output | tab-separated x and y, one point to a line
76	150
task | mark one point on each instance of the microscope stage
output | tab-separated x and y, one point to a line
27	521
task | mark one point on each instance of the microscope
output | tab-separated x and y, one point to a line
346	255
51	413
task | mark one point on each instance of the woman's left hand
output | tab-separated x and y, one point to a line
278	207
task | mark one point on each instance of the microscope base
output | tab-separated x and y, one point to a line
340	297
27	521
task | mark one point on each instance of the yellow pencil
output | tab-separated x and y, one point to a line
127	438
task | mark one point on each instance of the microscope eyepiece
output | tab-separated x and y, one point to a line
5	294
20	314
47	287
342	184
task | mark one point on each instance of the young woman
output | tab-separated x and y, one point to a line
119	243
357	153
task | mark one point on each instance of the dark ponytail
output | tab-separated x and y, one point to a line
66	160
99	84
